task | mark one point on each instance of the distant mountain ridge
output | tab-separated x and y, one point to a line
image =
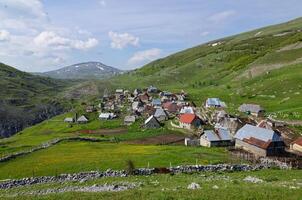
87	70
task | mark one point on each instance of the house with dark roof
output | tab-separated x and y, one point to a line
252	109
189	121
152	123
259	141
216	138
297	145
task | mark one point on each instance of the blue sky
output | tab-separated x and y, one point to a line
42	35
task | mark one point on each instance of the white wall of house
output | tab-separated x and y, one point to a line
185	125
204	142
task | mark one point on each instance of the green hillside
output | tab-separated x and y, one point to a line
261	66
26	99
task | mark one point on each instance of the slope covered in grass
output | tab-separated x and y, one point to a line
259	66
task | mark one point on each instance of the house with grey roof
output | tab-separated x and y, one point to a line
107	116
152	123
259	141
69	120
215	103
253	109
216	138
152	89
82	120
161	115
156	102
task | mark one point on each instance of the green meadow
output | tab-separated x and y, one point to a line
71	157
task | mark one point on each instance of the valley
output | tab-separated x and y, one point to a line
233	102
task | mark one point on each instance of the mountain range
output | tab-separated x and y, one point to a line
87	70
262	66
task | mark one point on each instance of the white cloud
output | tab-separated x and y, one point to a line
103	3
145	56
51	39
220	17
4	35
122	40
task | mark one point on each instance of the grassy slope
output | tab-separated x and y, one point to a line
70	157
26	99
205	71
277	185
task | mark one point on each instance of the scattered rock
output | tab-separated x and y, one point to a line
215	187
193	186
253	179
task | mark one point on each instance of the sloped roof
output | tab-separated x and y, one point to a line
215	102
249	131
187	109
171	107
187	118
105	115
160	112
298	141
82	119
68	119
151	118
250	108
257	142
220	135
156	102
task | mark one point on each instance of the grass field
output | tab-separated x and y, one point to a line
276	185
70	157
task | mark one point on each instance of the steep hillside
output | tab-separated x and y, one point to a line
88	70
261	66
26	99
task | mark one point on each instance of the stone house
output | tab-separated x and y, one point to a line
216	138
259	141
252	109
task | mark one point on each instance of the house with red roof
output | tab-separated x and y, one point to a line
297	145
171	107
189	121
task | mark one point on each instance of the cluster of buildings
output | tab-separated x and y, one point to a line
261	139
155	107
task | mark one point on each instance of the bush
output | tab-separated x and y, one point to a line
130	167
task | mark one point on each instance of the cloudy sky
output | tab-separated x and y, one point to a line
42	35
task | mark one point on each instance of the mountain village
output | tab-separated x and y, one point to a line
250	132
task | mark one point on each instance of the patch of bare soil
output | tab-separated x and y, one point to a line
106	132
160	140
